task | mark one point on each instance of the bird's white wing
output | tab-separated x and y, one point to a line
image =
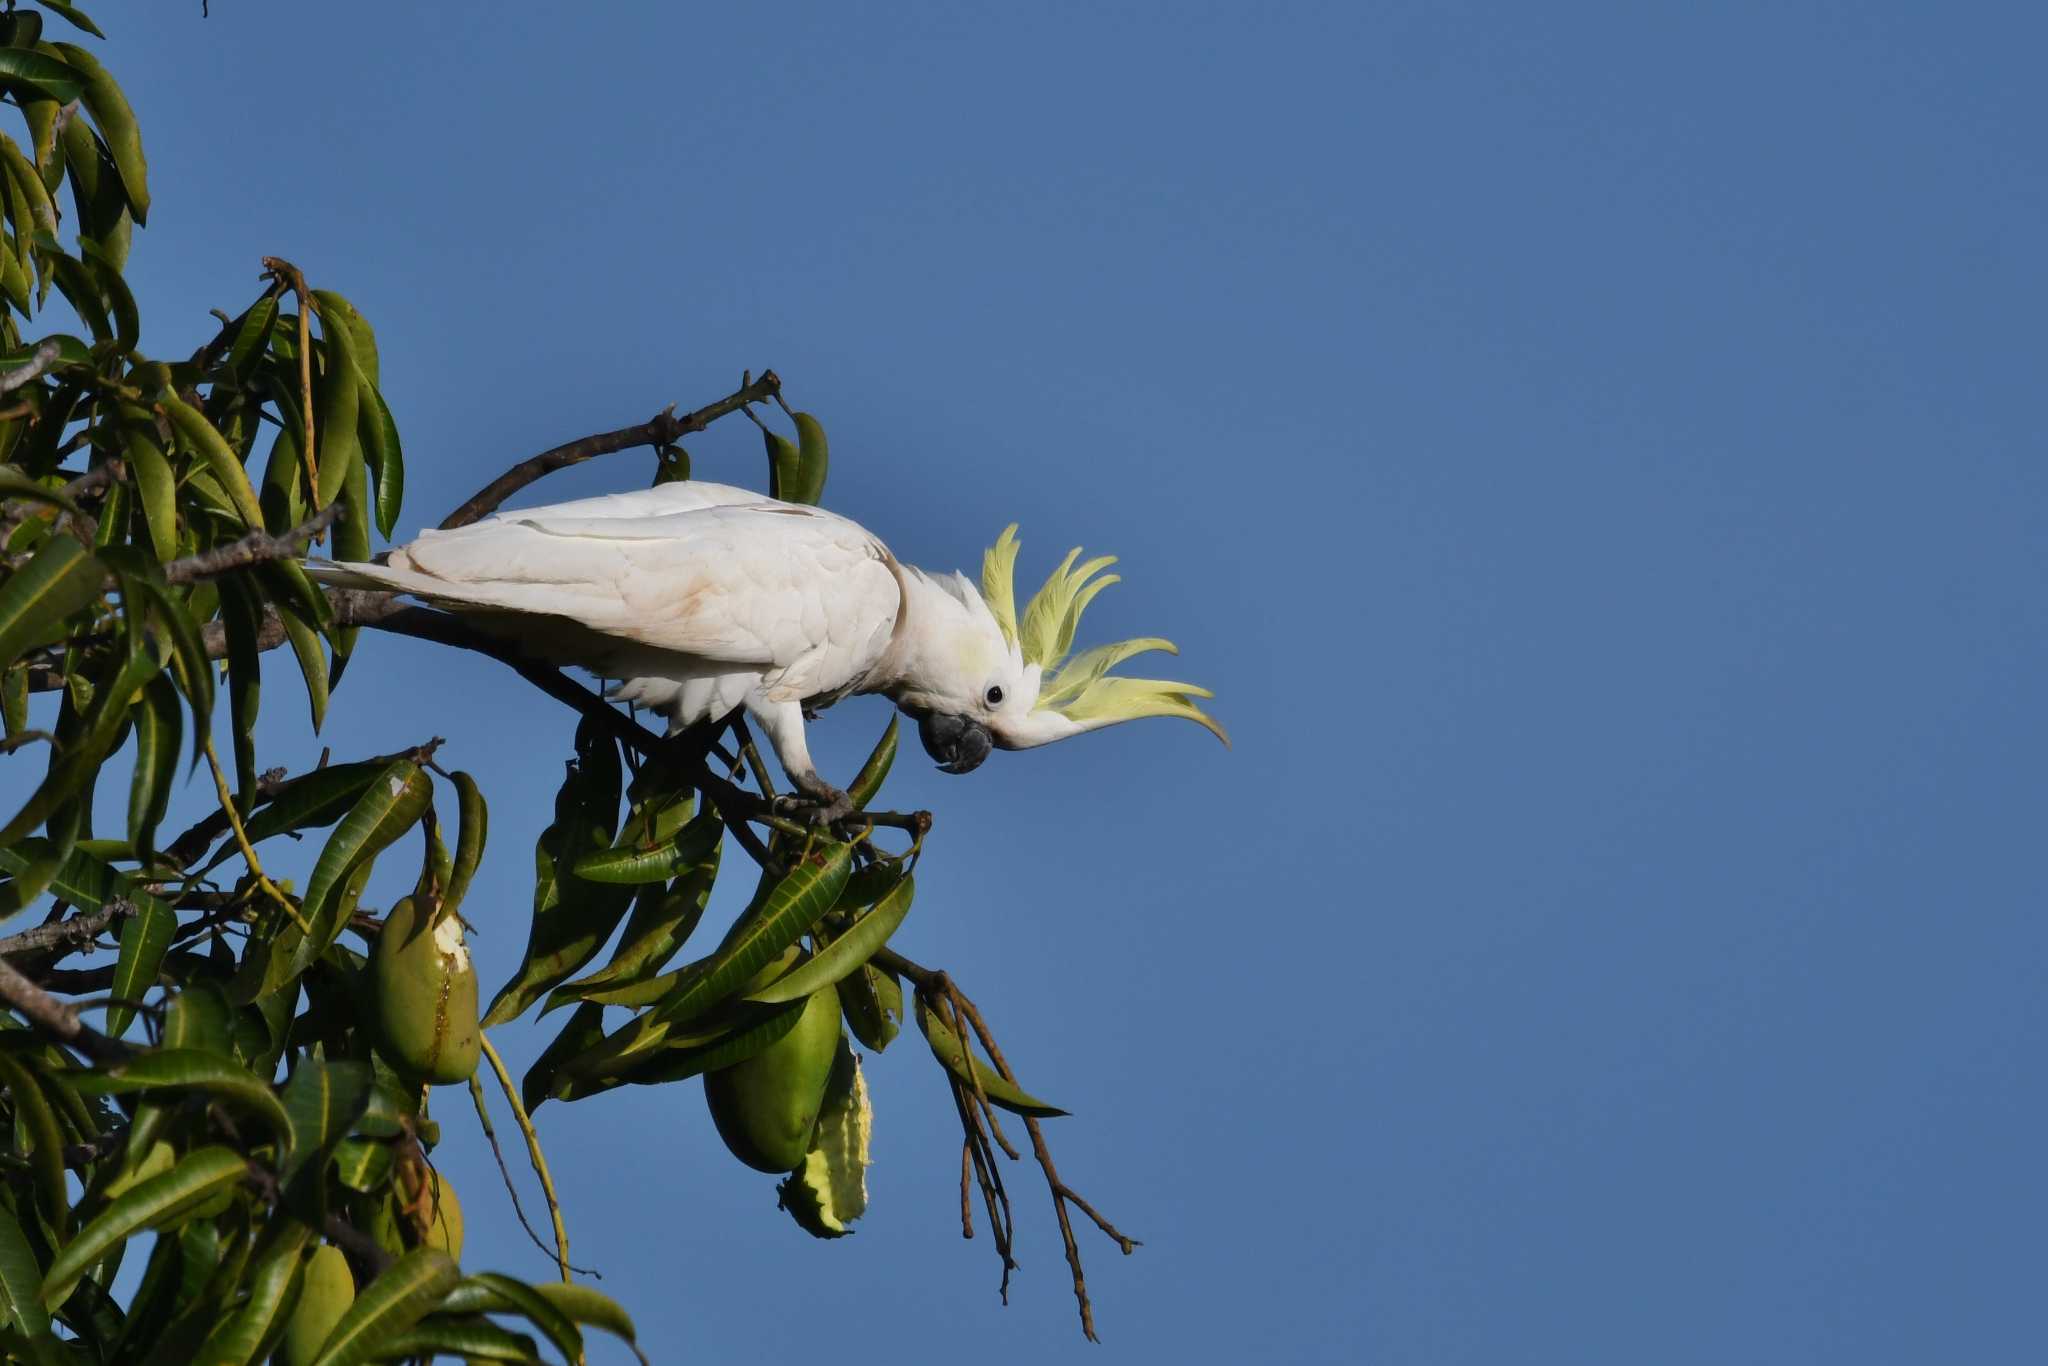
718	576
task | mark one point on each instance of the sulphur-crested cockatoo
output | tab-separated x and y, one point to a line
702	598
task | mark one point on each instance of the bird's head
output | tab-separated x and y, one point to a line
982	677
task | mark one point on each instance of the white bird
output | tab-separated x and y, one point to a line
702	598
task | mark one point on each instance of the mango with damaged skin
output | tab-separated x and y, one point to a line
424	997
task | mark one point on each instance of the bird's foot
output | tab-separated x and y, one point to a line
822	805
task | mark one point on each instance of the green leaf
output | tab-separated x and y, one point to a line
36	1123
241	1336
121	310
158	735
109	109
812	460
159	491
868	781
362	1164
782	911
145	938
321	1101
60	579
784	466
201	1175
187	1069
663	918
948	1049
472	825
593	1307
13	483
34	76
315	799
849	951
627	864
252	334
872	1001
21	1279
381	447
198	1018
584	1031
517	1297
473	1340
241	614
200	436
388	1306
754	1028
85	881
312	663
337	391
572	919
73	15
391	805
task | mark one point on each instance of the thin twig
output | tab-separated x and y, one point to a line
663	429
533	1152
258	547
56	1019
286	273
483	1115
227	804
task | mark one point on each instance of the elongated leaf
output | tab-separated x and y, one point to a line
757	1027
200	436
472	825
240	1337
572	919
844	954
60	578
473	1340
109	109
948	1049
21	1279
386	454
869	780
203	1173
72	15
121	310
782	912
241	614
593	1307
391	805
34	75
388	1306
337	393
145	938
184	1069
252	334
784	466
159	491
158	735
13	483
872	1001
663	918
812	460
584	1030
85	881
517	1297
37	1121
627	865
312	664
322	1101
315	799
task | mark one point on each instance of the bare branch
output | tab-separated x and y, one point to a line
79	929
258	547
56	1019
661	430
42	360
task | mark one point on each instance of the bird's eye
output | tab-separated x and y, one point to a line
995	697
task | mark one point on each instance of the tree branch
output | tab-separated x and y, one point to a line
258	547
663	429
42	360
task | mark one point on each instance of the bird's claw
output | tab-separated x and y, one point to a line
817	808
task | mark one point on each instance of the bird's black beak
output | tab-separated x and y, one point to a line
958	744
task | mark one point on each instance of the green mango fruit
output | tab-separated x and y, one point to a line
394	1230
830	1190
766	1107
424	998
324	1296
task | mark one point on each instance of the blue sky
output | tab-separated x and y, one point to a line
1593	451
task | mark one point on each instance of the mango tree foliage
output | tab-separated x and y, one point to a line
235	1084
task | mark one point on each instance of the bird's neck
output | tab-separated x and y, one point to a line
924	605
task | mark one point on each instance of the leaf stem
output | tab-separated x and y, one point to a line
533	1152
